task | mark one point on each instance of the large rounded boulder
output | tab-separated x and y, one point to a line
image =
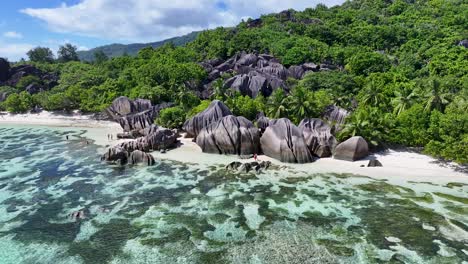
230	135
355	148
318	137
140	157
215	111
284	141
116	154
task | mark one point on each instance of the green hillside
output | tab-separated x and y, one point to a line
116	50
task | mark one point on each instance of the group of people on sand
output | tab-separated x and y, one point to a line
110	137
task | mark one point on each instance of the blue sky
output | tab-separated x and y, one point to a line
89	23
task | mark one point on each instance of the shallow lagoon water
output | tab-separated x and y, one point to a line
187	213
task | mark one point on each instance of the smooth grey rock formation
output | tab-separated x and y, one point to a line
137	121
3	96
262	122
374	163
116	154
140	157
162	138
335	116
352	149
215	111
284	141
318	137
230	135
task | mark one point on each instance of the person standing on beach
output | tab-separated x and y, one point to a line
66	137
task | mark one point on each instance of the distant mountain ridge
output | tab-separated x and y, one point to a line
116	50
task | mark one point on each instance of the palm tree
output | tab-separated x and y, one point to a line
435	96
300	103
372	94
276	107
404	98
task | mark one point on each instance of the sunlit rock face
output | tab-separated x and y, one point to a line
284	141
215	111
134	114
335	116
353	149
230	135
253	74
318	137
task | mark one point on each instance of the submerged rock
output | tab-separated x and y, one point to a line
215	111
284	141
116	154
374	163
318	137
352	149
230	135
140	157
248	166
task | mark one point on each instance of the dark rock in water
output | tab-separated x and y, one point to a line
245	168
230	135
464	43
284	141
4	70
140	157
216	111
335	116
352	149
248	166
318	137
116	154
374	163
233	165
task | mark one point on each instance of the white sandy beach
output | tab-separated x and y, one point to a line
399	166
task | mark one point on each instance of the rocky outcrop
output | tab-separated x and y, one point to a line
352	149
262	122
230	135
133	151
140	157
284	141
161	139
117	155
12	76
248	166
464	43
374	163
134	114
4	70
215	111
254	74
318	137
335	116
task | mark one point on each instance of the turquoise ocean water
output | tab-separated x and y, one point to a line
187	213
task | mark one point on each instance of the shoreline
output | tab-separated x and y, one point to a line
399	166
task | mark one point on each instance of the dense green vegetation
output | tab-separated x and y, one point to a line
400	71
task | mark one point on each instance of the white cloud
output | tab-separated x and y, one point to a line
143	20
12	34
14	51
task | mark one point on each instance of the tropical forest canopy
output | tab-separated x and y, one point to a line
400	67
